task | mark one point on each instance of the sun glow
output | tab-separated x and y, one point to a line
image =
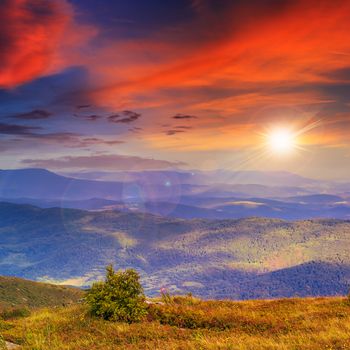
281	141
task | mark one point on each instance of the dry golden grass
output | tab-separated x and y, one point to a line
288	324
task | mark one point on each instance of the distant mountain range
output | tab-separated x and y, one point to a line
240	259
43	184
277	178
187	195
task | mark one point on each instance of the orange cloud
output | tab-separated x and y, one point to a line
32	34
296	44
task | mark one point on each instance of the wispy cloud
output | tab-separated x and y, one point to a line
184	116
124	117
106	162
14	129
89	117
83	106
22	134
174	132
33	115
88	141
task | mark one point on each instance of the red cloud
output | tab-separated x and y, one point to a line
30	34
30	31
294	43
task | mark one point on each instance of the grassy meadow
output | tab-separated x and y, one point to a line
189	323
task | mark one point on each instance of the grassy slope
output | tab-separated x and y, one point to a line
286	324
16	292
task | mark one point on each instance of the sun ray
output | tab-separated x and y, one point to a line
283	140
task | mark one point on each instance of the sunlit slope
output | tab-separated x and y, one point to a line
17	292
310	324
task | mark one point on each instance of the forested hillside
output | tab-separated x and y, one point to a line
244	258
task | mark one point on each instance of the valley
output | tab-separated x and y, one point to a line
237	259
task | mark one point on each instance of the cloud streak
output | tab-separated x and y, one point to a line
33	115
14	129
184	116
90	117
174	132
106	162
124	117
34	135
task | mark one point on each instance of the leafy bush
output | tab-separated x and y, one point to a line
119	298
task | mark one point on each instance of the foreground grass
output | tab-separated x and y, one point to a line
321	323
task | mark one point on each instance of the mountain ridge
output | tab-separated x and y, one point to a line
178	195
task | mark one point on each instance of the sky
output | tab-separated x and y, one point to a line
187	84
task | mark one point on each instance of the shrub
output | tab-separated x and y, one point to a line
18	312
119	298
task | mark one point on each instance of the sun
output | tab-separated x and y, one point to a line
281	141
